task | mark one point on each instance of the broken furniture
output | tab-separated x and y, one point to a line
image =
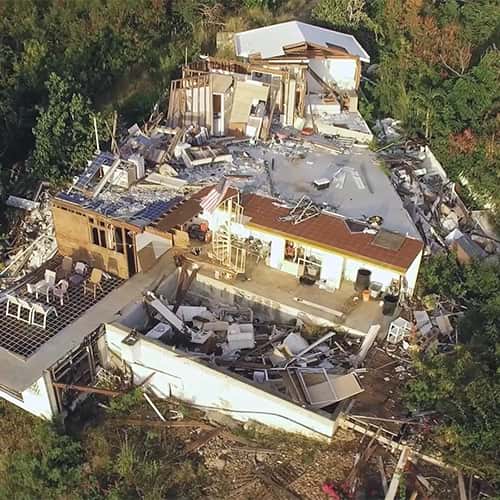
60	290
423	322
78	276
20	305
93	283
43	311
317	389
46	285
397	330
240	336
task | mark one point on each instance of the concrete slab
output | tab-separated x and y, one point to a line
277	288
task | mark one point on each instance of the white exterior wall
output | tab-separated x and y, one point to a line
335	267
198	103
412	273
340	71
186	379
380	274
36	400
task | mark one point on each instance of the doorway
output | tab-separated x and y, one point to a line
218	114
130	246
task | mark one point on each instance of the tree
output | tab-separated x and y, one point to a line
343	13
52	470
463	385
63	132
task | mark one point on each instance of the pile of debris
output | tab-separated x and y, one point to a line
434	204
31	240
315	372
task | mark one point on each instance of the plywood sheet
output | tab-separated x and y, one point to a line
246	93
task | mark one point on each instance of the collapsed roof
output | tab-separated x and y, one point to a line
270	41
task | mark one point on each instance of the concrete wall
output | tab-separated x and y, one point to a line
35	400
192	381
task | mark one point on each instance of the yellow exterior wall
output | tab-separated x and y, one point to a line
73	240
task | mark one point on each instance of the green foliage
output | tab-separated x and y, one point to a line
64	132
464	385
51	470
123	405
438	71
349	14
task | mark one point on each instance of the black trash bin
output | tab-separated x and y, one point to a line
362	280
390	303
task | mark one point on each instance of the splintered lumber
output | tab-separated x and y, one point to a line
164	425
393	445
201	441
396	478
155	409
461	486
85	388
381	469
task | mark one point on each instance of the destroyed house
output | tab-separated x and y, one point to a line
326	62
111	223
314	245
232	98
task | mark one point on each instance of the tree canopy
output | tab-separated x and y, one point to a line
464	384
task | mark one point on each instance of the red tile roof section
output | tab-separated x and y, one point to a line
325	230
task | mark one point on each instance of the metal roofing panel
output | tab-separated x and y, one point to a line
269	41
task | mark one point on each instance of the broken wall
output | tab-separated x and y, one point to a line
73	240
176	375
341	72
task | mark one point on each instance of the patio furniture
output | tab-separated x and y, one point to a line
60	290
78	276
42	310
93	283
397	330
20	305
46	285
66	268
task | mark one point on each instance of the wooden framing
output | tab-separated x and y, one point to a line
89	236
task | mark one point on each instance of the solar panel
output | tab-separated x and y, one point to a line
101	159
154	211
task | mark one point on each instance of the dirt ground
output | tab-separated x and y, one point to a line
248	462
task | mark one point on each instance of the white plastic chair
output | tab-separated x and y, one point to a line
24	305
46	285
12	302
42	310
60	290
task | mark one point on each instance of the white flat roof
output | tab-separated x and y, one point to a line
269	41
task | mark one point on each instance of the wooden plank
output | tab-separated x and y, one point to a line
396	478
461	486
88	389
383	477
201	441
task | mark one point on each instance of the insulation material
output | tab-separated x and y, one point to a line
246	94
